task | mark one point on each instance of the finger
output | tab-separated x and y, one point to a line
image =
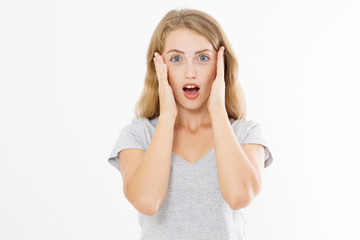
162	63
158	64
155	61
157	67
220	62
163	66
158	61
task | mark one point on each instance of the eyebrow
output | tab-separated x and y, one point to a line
176	50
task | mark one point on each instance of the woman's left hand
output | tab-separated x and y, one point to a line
216	100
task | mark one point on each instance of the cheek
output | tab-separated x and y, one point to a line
213	67
173	76
210	72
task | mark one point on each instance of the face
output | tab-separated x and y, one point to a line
186	64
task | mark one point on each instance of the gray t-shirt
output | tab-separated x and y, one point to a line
194	208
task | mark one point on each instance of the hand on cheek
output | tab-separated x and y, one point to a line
216	100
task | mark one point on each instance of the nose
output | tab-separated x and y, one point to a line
190	72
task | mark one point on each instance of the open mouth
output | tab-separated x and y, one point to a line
191	91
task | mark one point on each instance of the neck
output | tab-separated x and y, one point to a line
193	120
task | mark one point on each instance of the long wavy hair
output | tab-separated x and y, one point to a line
148	105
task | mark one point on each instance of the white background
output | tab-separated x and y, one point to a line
71	72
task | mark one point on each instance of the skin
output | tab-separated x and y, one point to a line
201	68
239	167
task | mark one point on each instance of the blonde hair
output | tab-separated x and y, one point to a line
148	105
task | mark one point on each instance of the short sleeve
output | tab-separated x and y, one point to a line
254	134
131	136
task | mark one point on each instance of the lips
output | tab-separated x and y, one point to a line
191	93
193	84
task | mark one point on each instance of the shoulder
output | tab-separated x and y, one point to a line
243	126
145	121
246	129
140	127
141	123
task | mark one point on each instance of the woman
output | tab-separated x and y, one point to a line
189	160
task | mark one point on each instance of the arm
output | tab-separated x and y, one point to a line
239	172
148	185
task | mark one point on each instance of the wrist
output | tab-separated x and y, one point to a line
218	112
167	118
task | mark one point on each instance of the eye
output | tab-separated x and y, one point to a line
204	56
173	58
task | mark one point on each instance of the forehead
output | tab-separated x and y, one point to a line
186	40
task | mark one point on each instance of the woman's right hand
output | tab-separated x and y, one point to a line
167	101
